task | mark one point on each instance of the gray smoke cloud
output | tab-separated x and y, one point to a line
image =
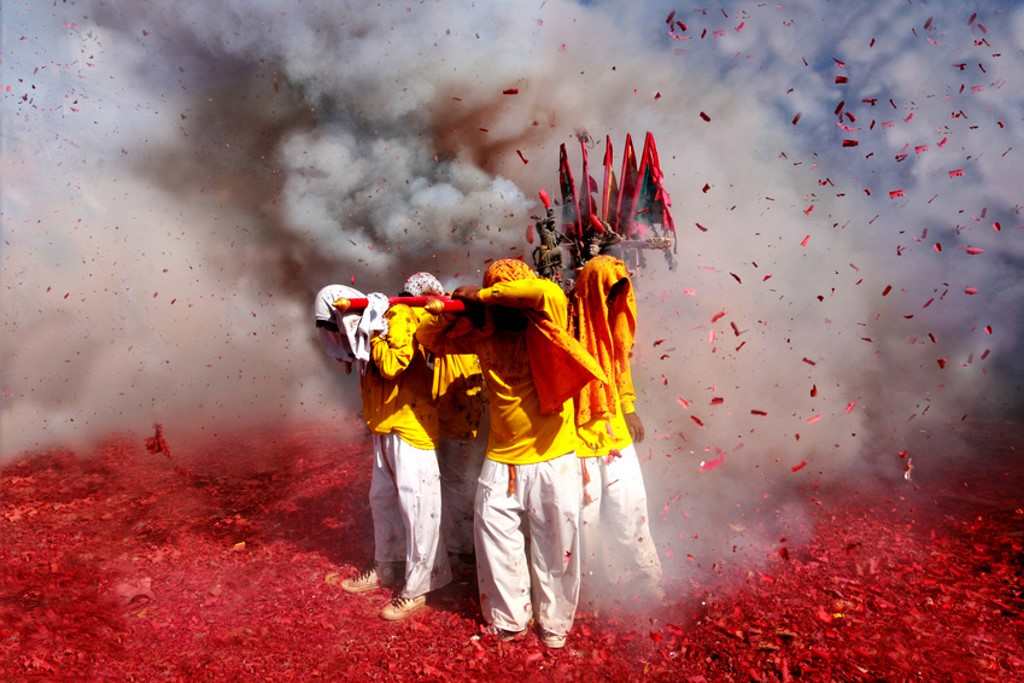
235	157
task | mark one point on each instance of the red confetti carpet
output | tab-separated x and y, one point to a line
224	563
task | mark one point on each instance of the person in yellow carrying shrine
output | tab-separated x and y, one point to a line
405	488
458	394
527	499
616	547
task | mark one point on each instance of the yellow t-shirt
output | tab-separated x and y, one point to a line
397	385
519	433
599	437
458	390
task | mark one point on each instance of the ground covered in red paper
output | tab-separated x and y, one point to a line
224	562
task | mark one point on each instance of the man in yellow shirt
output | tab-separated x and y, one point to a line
458	395
617	552
527	499
405	489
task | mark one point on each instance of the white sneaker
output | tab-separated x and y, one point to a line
400	608
367	581
503	635
552	640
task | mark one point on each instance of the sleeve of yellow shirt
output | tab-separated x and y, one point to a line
444	336
534	294
627	394
392	353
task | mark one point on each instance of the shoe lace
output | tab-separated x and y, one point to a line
401	603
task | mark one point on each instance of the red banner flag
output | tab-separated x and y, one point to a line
624	205
653	205
586	199
609	179
570	205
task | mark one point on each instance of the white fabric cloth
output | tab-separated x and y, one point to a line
338	345
370	325
420	284
460	463
520	580
405	499
617	553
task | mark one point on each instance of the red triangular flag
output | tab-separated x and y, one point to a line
609	175
570	204
624	205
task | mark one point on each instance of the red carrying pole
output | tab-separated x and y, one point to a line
435	304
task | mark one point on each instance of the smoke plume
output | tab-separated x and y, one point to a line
181	178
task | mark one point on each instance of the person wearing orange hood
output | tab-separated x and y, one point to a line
527	500
615	535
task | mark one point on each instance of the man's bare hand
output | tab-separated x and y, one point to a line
467	293
635	426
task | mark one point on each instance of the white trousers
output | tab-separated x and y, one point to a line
405	499
616	548
527	543
460	463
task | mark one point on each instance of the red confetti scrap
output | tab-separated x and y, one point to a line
956	173
988	329
813	419
707	119
895	194
736	277
717	400
697	420
885	292
973	251
701	227
522	157
766	277
705	188
796	118
984	354
850	406
805	240
997	226
937	247
841	79
850	143
970	291
756	411
707	465
808	361
717	316
799	466
659	342
682	401
510	91
814	390
657	95
809	210
941	362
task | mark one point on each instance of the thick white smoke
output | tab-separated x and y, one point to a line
237	156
